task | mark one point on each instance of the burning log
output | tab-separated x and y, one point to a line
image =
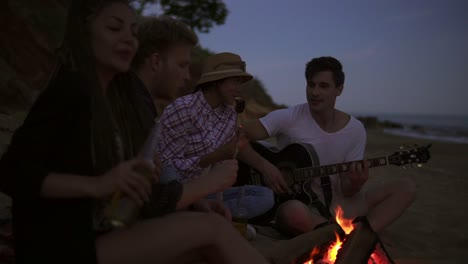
287	251
359	245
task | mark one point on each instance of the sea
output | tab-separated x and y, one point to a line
449	128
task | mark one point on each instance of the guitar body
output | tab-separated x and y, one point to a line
299	164
286	160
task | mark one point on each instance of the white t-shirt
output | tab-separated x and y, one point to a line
296	125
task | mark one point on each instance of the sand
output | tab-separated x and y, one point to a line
434	229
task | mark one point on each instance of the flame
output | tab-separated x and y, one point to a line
346	224
332	251
330	255
314	252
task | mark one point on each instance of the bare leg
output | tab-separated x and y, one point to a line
184	237
387	202
294	217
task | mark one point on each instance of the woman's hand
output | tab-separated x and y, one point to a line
132	178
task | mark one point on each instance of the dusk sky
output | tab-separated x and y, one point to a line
398	56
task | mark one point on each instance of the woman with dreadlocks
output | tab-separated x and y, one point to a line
74	150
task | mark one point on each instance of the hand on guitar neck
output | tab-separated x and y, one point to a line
353	180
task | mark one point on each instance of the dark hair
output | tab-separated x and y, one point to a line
75	52
76	55
321	64
158	34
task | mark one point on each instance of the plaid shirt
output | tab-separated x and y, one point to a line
191	129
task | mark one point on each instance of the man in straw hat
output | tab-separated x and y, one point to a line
199	132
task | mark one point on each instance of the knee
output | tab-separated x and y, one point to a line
408	190
292	209
404	189
294	217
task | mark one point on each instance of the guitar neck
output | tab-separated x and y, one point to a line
321	171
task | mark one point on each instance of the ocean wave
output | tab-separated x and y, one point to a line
438	135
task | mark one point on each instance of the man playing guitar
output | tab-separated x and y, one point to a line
336	137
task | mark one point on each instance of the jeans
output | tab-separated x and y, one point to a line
256	200
168	174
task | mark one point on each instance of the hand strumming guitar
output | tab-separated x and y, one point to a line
273	177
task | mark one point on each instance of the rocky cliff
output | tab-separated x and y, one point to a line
31	32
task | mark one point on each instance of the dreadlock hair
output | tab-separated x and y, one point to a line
76	55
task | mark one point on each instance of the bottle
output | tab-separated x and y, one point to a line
239	214
239	220
122	210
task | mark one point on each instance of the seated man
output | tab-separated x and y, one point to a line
199	131
160	70
337	137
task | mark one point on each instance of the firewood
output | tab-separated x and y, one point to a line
358	245
286	252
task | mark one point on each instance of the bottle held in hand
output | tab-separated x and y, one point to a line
239	214
123	211
240	105
239	220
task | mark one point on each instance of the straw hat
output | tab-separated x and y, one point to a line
223	65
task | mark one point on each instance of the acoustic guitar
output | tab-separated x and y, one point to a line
299	164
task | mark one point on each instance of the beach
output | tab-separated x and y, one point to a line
434	229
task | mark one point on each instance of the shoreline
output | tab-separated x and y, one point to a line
456	132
